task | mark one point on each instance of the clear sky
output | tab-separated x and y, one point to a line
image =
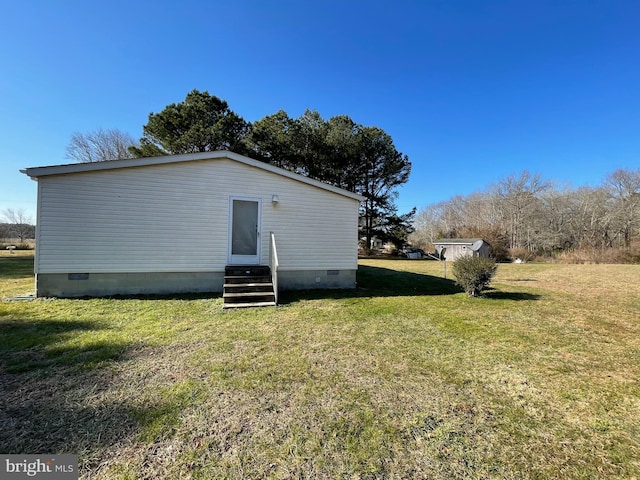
471	91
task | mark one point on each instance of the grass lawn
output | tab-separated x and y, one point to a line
405	377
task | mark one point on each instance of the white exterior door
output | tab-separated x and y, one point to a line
244	230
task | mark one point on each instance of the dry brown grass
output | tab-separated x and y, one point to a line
617	255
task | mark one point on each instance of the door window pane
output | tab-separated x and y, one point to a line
244	233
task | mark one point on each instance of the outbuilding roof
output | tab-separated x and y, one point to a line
474	243
37	172
457	241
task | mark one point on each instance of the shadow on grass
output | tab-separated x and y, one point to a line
371	282
27	345
385	282
47	384
61	394
381	282
16	266
514	296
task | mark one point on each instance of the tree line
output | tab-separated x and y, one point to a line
338	151
17	225
525	215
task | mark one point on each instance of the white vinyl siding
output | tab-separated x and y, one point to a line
174	218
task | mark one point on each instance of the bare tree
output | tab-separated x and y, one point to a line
519	202
525	212
624	188
590	217
100	145
553	226
427	226
20	224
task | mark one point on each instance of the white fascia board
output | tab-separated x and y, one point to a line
36	172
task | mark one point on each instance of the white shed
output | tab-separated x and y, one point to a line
175	224
454	248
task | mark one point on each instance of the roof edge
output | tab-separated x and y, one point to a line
37	172
460	241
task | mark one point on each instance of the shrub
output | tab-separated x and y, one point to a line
474	274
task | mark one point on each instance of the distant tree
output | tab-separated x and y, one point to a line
427	226
271	140
624	189
381	170
533	217
518	201
20	224
310	147
345	154
396	229
100	145
5	230
343	164
589	218
201	123
327	150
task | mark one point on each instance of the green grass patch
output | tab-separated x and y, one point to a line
161	414
405	377
16	273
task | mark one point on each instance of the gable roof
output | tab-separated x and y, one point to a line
37	172
457	241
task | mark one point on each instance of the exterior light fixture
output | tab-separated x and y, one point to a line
274	199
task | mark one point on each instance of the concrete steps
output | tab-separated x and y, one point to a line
248	286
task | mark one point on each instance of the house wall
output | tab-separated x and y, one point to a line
170	222
484	250
455	251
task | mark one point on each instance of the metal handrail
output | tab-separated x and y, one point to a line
274	264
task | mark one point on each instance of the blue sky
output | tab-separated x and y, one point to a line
471	91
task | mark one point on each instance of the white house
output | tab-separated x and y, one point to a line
454	248
173	224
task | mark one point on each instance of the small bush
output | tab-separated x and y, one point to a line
474	274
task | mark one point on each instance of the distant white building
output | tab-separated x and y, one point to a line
454	248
